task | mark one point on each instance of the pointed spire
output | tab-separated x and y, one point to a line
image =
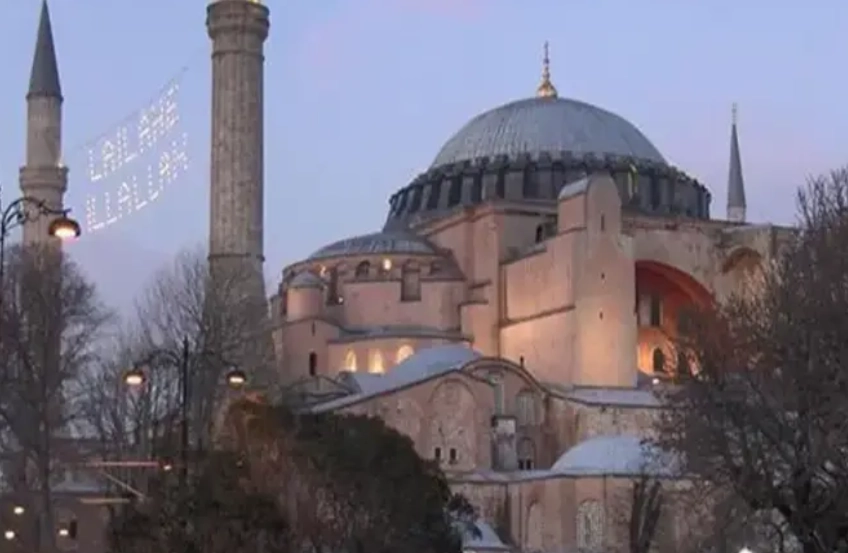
44	79
735	183
546	88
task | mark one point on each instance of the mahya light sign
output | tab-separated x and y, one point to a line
131	165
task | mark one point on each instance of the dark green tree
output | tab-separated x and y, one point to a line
383	495
217	509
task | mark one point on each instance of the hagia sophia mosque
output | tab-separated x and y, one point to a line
515	310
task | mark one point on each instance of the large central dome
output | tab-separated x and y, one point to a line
547	125
529	149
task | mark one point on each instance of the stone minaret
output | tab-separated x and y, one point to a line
238	29
44	177
736	205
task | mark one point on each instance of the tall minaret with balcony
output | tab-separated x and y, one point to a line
43	177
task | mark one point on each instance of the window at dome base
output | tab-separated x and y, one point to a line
403	353
350	361
375	362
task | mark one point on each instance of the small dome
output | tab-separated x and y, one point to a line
615	455
376	243
547	125
306	279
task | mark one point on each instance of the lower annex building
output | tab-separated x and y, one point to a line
516	309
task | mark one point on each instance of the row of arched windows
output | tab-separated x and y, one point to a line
375	362
410	278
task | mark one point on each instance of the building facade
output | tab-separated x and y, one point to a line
517	309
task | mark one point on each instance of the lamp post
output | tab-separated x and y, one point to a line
136	377
26	209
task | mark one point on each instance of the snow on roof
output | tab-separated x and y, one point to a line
421	366
487	540
619	397
623	455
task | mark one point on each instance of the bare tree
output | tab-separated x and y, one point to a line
765	418
50	324
185	323
645	510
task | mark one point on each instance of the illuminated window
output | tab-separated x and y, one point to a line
403	352
387	264
350	361
375	362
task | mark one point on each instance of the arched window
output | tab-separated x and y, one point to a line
526	454
533	542
375	362
590	525
540	233
403	352
350	361
363	270
410	286
658	360
525	408
313	363
332	279
496	380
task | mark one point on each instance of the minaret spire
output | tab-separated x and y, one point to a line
43	177
44	77
546	88
736	206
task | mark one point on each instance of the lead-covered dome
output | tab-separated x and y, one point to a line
545	125
529	149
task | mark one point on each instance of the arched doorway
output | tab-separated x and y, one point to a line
665	296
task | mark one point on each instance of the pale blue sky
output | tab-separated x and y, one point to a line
362	93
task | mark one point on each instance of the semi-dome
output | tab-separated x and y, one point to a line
547	125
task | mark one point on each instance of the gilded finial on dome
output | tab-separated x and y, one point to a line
546	88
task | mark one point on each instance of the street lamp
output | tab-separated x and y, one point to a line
136	378
26	209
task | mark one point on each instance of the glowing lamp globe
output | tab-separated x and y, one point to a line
236	378
64	228
134	378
